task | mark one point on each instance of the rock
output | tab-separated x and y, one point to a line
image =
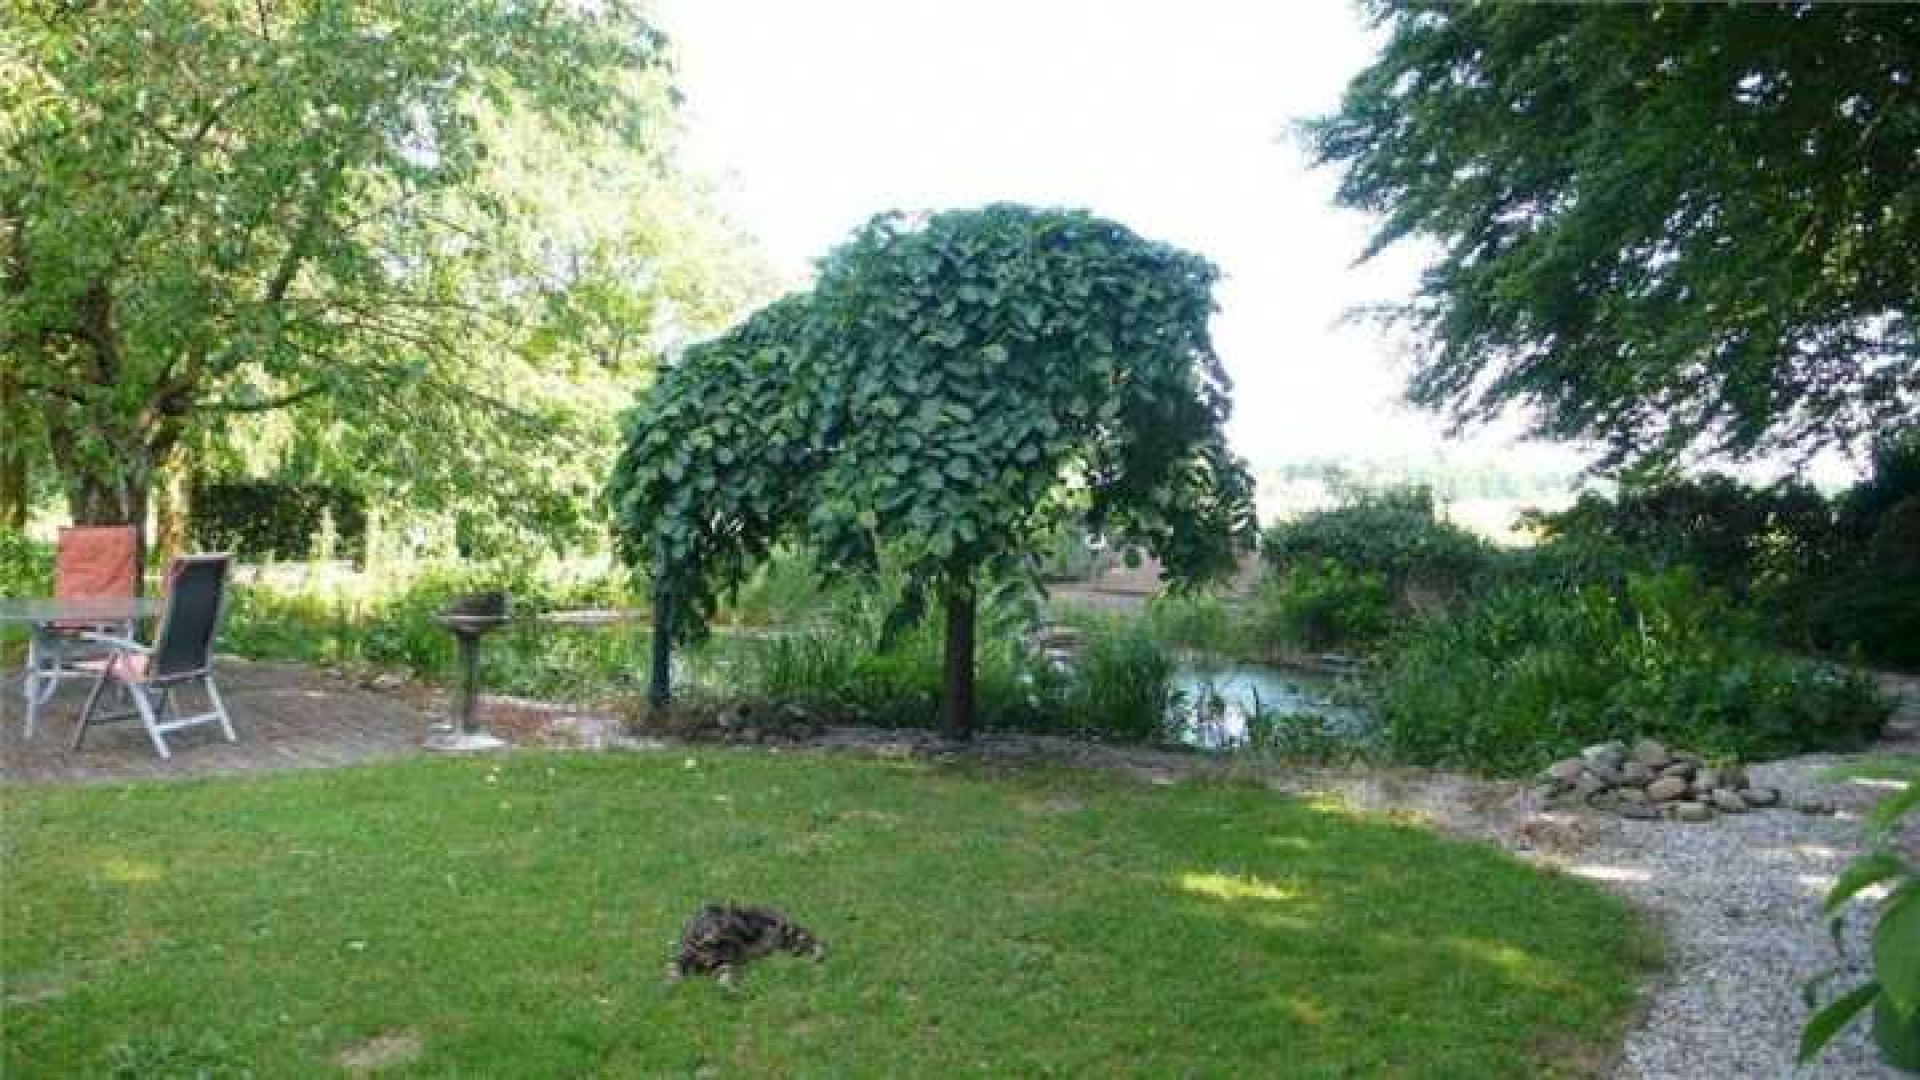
387	680
1707	779
1639	811
1543	794
1611	753
1735	777
1605	799
1666	789
1692	812
1567	771
1681	769
1606	774
1728	801
1761	796
1812	804
1636	773
1651	753
1632	795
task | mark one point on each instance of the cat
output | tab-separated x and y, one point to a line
722	938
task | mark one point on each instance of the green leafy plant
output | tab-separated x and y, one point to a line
1893	993
1322	604
1530	673
1396	534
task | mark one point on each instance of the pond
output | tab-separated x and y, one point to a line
1217	698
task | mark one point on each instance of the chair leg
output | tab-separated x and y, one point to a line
220	709
86	712
30	683
43	659
145	706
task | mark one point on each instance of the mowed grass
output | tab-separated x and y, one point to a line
512	917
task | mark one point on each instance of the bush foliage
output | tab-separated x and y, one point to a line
1396	534
1529	673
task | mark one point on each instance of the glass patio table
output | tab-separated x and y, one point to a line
49	622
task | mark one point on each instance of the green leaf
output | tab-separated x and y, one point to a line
1897	1034
1896	948
1825	1024
1891	809
1861	873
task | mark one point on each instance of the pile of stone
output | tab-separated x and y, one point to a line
1649	781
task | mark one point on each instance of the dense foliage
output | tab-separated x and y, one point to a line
261	520
1397	534
399	241
1529	673
952	389
1838	575
1670	227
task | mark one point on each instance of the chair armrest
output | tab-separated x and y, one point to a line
123	644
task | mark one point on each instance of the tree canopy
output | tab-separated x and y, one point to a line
952	387
1674	228
362	218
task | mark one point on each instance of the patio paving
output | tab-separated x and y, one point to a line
287	717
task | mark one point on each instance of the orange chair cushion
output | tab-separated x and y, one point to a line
96	562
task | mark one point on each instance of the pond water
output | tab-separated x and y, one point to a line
1217	699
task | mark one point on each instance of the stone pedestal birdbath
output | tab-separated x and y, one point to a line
468	619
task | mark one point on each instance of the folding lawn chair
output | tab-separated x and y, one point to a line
182	653
89	563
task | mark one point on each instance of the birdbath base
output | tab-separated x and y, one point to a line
455	742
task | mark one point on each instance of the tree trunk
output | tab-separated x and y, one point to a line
956	701
660	678
14	491
173	508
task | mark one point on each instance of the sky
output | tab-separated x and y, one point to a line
1175	118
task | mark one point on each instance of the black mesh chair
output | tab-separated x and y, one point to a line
181	653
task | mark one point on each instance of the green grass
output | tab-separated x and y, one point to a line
515	914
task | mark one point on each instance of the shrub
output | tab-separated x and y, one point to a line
263	519
1200	622
1533	672
1395	533
1765	547
1322	604
26	565
26	569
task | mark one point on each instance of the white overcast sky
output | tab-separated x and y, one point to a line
1172	117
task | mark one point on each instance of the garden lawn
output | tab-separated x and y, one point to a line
512	916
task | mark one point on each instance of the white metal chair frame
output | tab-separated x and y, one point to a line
53	654
152	691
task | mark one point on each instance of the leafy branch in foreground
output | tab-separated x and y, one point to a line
1893	994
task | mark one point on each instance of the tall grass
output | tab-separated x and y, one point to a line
828	656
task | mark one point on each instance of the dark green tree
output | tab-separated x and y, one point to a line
952	388
1676	228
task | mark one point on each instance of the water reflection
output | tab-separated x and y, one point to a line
1220	701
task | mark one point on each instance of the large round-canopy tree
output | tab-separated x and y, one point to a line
216	211
935	401
1674	228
